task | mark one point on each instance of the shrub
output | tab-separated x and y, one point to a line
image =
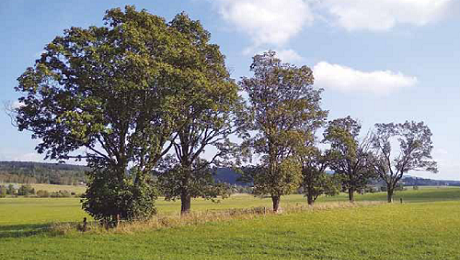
3	191
109	200
61	194
43	194
26	190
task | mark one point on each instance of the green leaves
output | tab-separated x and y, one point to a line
283	111
415	147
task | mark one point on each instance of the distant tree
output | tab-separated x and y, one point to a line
415	146
111	90
43	194
3	191
282	107
11	190
206	116
199	182
26	190
315	180
350	157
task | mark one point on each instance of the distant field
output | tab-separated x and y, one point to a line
15	211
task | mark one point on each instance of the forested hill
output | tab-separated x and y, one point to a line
35	172
68	174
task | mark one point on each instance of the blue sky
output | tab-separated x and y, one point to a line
379	61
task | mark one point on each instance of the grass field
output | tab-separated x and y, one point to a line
427	226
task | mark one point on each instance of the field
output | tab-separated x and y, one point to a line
426	226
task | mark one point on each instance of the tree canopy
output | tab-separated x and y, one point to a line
206	115
117	91
283	110
350	157
415	146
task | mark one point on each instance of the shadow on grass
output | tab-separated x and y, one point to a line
17	231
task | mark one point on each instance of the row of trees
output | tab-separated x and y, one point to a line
28	190
34	172
23	190
146	98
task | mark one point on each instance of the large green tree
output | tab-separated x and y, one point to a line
208	101
350	157
108	95
414	153
283	107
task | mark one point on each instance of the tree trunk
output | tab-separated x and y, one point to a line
310	199
276	203
351	195
185	203
390	193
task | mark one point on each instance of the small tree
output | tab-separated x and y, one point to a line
11	190
26	190
350	157
316	181
285	180
414	154
199	182
282	104
3	190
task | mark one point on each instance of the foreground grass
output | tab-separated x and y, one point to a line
407	231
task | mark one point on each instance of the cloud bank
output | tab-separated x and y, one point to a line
345	79
383	15
272	22
277	21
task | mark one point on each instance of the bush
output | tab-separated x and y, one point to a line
3	191
26	190
415	187
11	190
109	200
61	194
43	194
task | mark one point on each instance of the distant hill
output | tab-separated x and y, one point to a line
35	172
68	174
227	175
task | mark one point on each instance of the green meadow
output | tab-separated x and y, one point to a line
425	226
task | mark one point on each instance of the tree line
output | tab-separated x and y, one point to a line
144	99
34	172
27	190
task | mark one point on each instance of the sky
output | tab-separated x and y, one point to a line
379	61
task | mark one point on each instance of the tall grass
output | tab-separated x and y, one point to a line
198	218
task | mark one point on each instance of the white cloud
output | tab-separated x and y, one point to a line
266	21
383	15
345	79
288	55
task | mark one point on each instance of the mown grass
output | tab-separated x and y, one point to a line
408	231
426	228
